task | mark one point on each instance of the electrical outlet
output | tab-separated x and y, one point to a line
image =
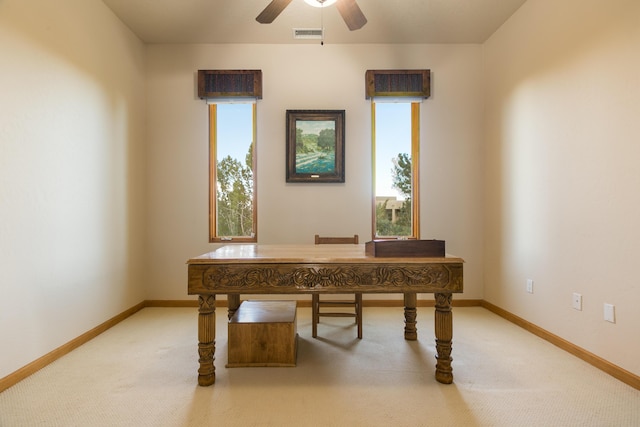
610	313
577	301
530	286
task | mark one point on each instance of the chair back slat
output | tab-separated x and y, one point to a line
336	240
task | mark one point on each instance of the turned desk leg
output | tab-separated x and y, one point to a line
444	334
206	339
233	302
410	302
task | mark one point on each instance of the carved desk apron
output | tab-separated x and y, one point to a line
305	269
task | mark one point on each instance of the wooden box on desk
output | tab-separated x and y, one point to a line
263	333
405	248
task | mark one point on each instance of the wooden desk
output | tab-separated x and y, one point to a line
308	269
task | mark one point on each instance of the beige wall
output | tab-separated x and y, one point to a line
311	76
71	173
562	178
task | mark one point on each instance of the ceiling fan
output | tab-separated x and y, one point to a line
351	13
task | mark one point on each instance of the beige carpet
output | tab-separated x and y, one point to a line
143	372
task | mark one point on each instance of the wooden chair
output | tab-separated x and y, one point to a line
355	302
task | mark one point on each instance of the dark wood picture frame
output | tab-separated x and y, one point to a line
315	145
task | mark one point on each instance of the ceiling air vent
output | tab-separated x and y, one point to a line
307	33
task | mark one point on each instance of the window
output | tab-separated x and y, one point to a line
395	114
232	151
396	141
232	166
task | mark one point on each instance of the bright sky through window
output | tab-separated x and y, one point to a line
393	136
234	136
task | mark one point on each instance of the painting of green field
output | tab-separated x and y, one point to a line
315	146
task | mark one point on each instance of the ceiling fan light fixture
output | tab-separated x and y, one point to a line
320	3
349	10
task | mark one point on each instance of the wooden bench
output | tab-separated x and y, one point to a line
263	333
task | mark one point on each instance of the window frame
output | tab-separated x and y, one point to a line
415	171
213	236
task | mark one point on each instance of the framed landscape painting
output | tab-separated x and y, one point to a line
315	145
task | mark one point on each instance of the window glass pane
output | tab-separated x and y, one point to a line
393	184
234	170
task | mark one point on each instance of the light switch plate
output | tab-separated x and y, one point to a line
577	301
609	313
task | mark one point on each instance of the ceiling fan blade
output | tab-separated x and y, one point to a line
272	11
351	13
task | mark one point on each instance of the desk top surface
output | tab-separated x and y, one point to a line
293	254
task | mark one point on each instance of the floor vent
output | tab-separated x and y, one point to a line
307	33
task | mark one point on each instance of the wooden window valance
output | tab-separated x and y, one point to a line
230	84
398	83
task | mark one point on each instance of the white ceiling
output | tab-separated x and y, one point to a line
389	21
